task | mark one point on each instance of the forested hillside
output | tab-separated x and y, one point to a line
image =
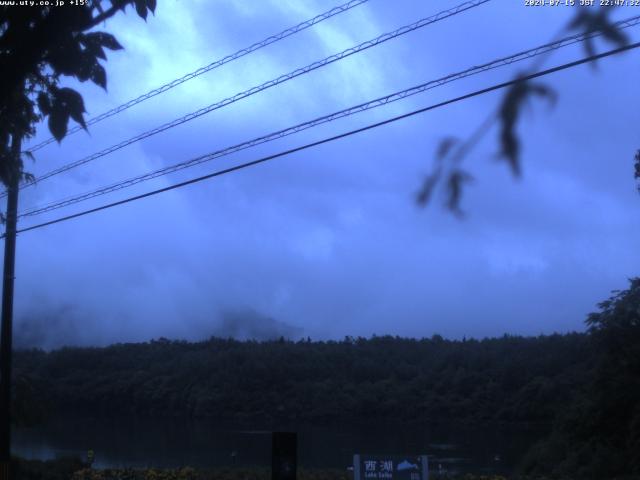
508	379
585	387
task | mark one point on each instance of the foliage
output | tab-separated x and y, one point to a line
586	20
351	380
39	46
599	435
510	110
74	470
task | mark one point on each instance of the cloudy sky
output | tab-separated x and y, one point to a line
329	242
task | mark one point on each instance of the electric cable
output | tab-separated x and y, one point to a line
534	52
388	121
271	83
207	68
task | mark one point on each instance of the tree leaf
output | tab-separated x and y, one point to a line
93	45
588	21
29	177
44	103
457	178
97	52
445	146
615	35
58	120
99	76
152	5
105	39
428	186
141	8
29	154
509	113
85	66
74	104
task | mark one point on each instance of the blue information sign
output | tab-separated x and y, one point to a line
390	467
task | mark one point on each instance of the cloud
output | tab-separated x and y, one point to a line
328	242
248	324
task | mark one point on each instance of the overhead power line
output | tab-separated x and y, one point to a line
388	121
534	52
271	83
213	65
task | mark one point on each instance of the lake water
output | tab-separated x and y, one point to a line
139	442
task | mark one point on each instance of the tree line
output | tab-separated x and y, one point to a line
508	379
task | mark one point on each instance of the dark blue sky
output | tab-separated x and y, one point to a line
329	242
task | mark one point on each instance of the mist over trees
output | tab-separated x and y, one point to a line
50	328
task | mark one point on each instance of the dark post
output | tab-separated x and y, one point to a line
7	315
284	455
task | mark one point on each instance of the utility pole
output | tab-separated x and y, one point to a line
7	310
